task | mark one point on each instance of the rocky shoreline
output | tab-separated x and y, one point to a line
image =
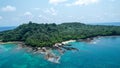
48	53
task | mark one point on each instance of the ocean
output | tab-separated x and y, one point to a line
107	23
102	52
6	28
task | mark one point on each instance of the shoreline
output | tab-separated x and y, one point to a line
48	53
13	42
89	39
62	43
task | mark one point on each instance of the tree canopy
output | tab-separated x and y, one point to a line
34	34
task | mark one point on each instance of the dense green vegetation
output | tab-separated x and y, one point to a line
48	34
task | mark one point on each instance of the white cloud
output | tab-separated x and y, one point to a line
1	17
28	14
55	2
8	8
82	2
44	18
51	11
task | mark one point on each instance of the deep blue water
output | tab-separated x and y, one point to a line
7	28
107	23
102	52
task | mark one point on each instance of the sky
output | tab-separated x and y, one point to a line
16	12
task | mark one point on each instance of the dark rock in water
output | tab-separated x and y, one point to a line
85	40
34	49
71	48
61	51
49	54
68	45
52	57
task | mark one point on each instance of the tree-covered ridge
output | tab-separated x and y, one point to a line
48	34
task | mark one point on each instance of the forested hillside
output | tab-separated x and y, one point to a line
34	34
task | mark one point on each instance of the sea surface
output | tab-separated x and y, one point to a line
103	52
107	23
7	28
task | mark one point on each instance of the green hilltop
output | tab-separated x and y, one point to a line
38	35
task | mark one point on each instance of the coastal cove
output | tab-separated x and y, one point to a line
101	52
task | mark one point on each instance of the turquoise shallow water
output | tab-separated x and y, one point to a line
102	52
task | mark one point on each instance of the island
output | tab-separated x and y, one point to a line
42	37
